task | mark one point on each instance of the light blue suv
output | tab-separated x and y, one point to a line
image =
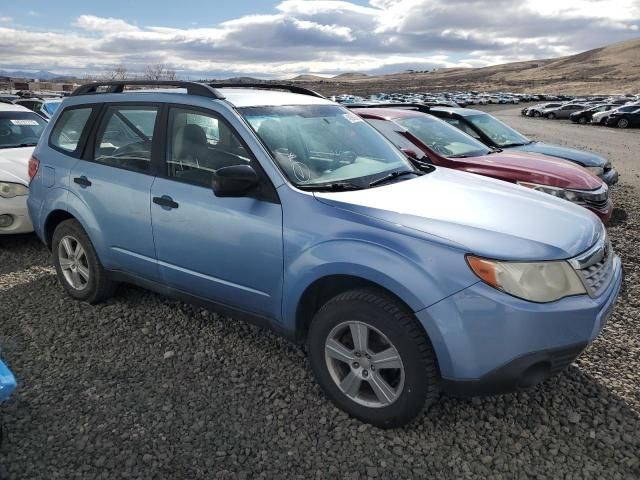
276	204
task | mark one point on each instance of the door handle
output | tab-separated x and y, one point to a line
165	201
82	181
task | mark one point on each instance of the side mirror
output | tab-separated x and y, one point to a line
234	181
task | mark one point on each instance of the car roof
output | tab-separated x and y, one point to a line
238	97
254	97
11	107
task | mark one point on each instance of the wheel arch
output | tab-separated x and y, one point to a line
54	218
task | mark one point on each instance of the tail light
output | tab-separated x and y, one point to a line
34	164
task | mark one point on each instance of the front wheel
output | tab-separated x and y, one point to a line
78	268
372	358
582	120
551	116
623	123
536	114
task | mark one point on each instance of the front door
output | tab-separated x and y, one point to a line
228	250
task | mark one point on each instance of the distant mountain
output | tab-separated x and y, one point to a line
611	69
40	75
351	75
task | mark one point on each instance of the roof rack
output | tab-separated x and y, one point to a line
414	106
269	86
193	88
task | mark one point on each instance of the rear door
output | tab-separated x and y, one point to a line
227	250
113	179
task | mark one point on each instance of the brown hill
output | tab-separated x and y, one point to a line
611	69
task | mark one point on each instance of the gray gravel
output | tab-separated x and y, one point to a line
145	387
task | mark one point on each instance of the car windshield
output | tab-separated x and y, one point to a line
442	137
324	144
501	134
20	129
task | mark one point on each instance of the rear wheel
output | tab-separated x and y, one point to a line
78	268
623	123
372	358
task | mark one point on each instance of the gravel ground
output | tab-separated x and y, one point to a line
145	387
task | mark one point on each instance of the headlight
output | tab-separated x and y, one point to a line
555	191
537	282
10	190
597	171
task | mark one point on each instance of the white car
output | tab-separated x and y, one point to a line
20	130
600	118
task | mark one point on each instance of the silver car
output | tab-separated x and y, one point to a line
563	111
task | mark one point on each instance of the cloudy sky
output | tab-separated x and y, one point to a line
279	39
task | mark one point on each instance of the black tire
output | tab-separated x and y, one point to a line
398	324
536	114
98	287
551	116
582	120
623	123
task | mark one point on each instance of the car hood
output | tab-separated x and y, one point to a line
512	165
480	215
602	114
14	164
583	158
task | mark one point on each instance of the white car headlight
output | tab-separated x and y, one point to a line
555	191
597	171
10	190
533	281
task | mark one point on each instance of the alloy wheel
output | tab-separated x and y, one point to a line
73	262
364	364
623	123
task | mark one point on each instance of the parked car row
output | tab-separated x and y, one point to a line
613	112
44	105
373	235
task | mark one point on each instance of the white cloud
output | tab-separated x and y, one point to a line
333	36
4	19
92	23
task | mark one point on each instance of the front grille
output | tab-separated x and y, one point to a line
600	205
598	199
595	266
597	276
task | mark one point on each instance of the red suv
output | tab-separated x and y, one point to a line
432	140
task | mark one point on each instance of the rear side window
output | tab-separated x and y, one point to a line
125	136
68	129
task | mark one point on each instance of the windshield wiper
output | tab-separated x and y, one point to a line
331	187
422	166
394	175
19	145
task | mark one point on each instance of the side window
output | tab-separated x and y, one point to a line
125	136
68	129
198	144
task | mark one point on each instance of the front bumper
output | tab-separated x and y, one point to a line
489	342
16	207
604	214
610	177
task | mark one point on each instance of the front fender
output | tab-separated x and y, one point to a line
417	277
